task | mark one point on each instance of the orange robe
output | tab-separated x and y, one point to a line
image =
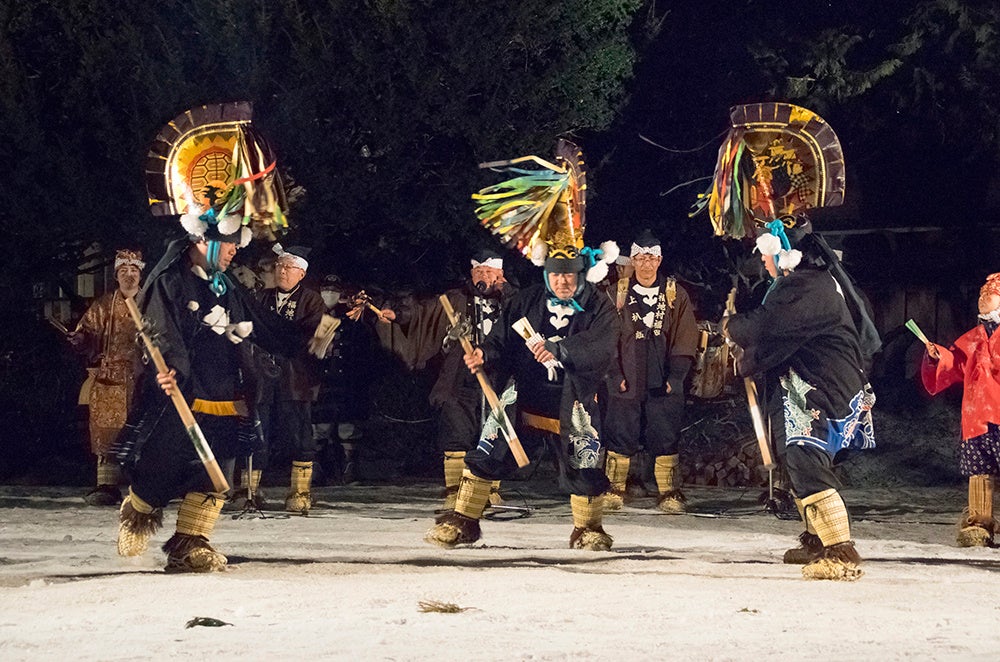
111	342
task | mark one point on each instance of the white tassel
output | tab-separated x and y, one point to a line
194	225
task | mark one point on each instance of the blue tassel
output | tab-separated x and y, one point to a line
777	228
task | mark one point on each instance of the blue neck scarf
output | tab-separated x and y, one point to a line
556	301
216	281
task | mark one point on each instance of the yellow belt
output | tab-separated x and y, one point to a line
540	422
219	407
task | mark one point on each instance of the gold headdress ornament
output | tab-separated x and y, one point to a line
991	286
213	168
541	212
128	256
778	160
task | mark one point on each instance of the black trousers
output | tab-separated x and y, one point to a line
809	468
168	466
287	426
492	459
654	418
459	422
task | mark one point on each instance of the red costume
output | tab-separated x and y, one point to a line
970	360
973	360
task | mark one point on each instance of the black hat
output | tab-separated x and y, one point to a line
487	257
564	260
645	242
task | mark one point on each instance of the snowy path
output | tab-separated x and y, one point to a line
346	584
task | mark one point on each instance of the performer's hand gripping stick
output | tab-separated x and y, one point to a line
531	338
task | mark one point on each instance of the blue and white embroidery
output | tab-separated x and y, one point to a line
585	447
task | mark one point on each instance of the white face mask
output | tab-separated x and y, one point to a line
330	298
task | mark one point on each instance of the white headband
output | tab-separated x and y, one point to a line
120	262
295	260
492	263
648	250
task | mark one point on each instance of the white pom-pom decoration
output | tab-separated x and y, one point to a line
768	244
538	253
788	260
194	225
230	224
245	236
611	251
597	272
193	305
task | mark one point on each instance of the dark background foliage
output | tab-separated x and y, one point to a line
380	110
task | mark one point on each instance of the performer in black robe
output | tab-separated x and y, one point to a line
556	376
803	338
199	318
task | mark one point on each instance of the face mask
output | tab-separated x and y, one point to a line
330	298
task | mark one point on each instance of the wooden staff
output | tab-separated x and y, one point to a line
752	403
187	418
491	397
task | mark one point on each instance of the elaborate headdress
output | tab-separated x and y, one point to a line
991	286
541	213
212	168
128	256
778	160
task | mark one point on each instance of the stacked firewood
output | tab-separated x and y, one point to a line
736	465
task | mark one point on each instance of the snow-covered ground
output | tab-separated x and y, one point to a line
347	583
